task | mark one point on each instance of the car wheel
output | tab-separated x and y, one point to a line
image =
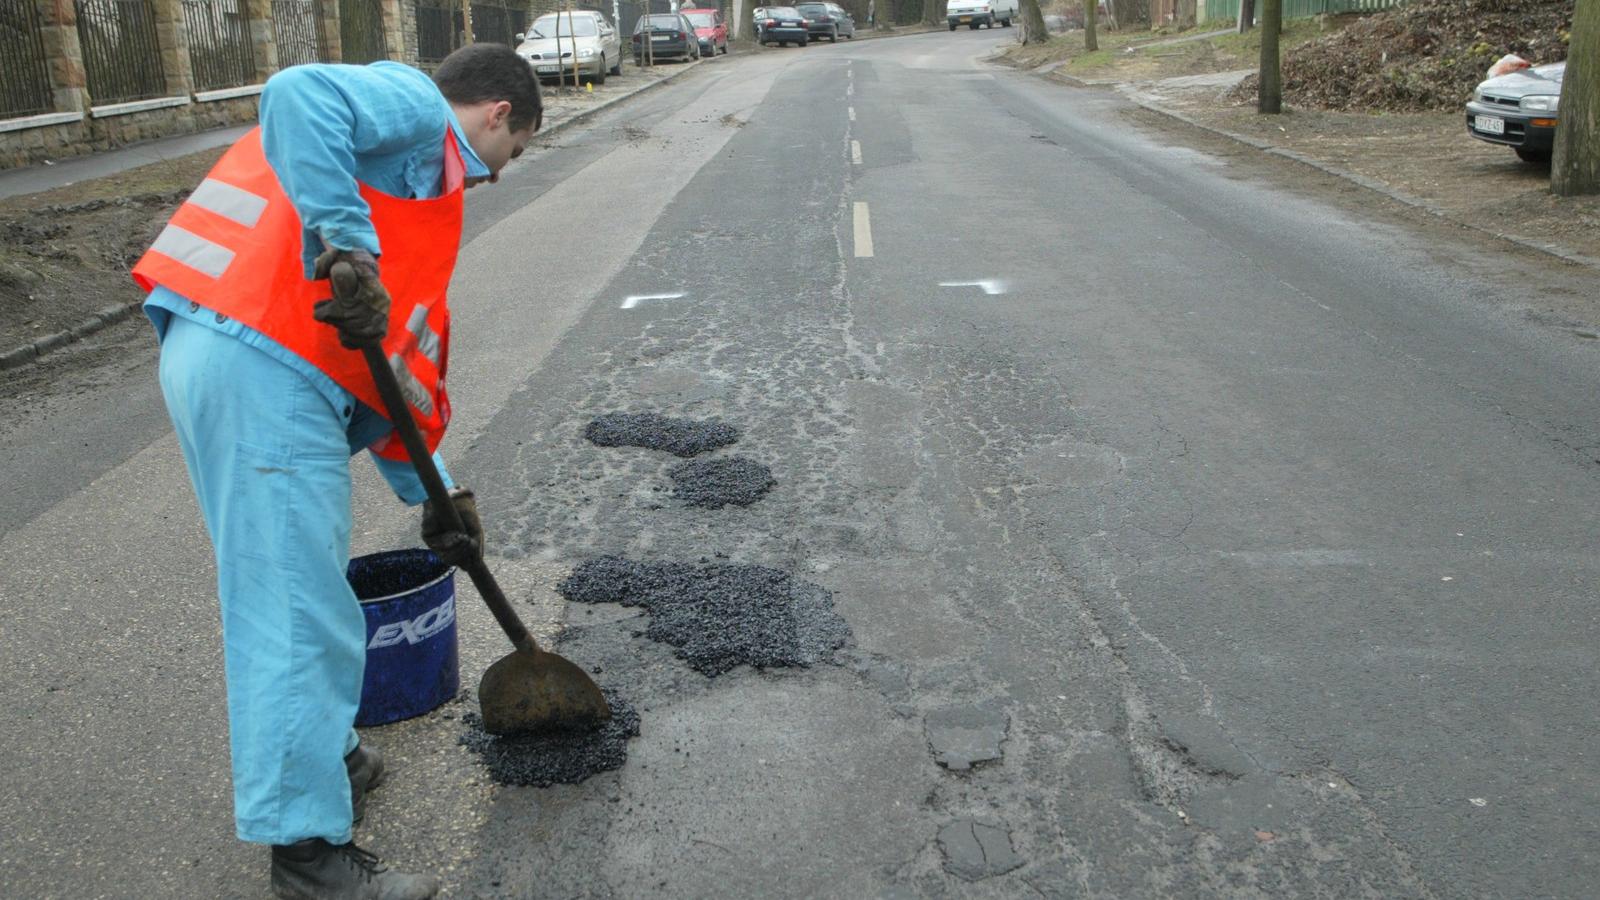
617	69
833	36
599	76
1533	156
804	42
952	26
1006	22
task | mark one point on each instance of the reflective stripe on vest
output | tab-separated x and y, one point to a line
235	246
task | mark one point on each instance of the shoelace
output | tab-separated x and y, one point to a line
364	860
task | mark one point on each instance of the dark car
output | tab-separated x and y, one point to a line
783	26
1518	110
671	36
828	20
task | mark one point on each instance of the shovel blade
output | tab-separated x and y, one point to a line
536	691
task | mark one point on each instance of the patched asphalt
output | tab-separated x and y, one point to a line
719	616
721	481
566	757
652	431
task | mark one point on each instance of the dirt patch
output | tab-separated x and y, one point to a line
1427	55
65	253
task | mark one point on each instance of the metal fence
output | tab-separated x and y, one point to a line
121	56
219	44
24	78
440	29
297	29
1300	9
361	31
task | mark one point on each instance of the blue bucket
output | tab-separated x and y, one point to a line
409	598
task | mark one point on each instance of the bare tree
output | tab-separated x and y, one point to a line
933	12
1575	169
1269	98
1090	9
1247	15
1033	30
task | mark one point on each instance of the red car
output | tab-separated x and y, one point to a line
710	28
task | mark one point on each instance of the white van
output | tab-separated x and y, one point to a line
973	13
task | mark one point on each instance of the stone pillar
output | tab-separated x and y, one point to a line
174	43
394	42
408	32
59	32
331	37
263	37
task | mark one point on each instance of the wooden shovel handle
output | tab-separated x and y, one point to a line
400	416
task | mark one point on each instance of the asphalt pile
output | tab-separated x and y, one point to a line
1426	55
719	617
560	757
680	437
721	481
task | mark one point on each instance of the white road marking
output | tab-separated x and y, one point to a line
636	299
855	152
850	89
852	113
863	223
990	286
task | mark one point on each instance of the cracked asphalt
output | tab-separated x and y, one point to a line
1201	529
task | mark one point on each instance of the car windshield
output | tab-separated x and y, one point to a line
701	20
812	9
782	12
671	23
563	26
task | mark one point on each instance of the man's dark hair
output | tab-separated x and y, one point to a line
480	72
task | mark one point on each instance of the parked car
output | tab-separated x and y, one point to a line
1518	110
828	20
784	26
758	18
671	36
973	13
551	41
710	27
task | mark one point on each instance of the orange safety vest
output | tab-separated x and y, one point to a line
234	248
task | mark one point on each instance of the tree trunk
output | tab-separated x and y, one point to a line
1575	169
1247	15
933	12
1090	9
1270	97
466	21
1033	30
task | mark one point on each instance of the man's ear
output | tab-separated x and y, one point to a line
500	113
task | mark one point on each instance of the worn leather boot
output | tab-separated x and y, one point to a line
317	870
365	766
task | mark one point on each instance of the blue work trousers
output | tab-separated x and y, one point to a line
270	461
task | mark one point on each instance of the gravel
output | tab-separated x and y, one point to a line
719	617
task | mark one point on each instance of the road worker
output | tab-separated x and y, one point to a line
359	166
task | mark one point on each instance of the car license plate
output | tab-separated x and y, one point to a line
544	69
966	18
660	37
1489	124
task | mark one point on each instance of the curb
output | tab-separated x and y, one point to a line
1370	184
21	356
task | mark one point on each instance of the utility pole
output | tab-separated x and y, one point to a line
1269	96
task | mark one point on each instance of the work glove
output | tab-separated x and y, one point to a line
360	304
454	547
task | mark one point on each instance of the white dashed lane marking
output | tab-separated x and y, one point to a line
863	230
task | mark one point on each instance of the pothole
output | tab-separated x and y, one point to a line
719	617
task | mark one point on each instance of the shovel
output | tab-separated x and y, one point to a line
528	690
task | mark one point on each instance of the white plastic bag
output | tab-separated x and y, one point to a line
1507	64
